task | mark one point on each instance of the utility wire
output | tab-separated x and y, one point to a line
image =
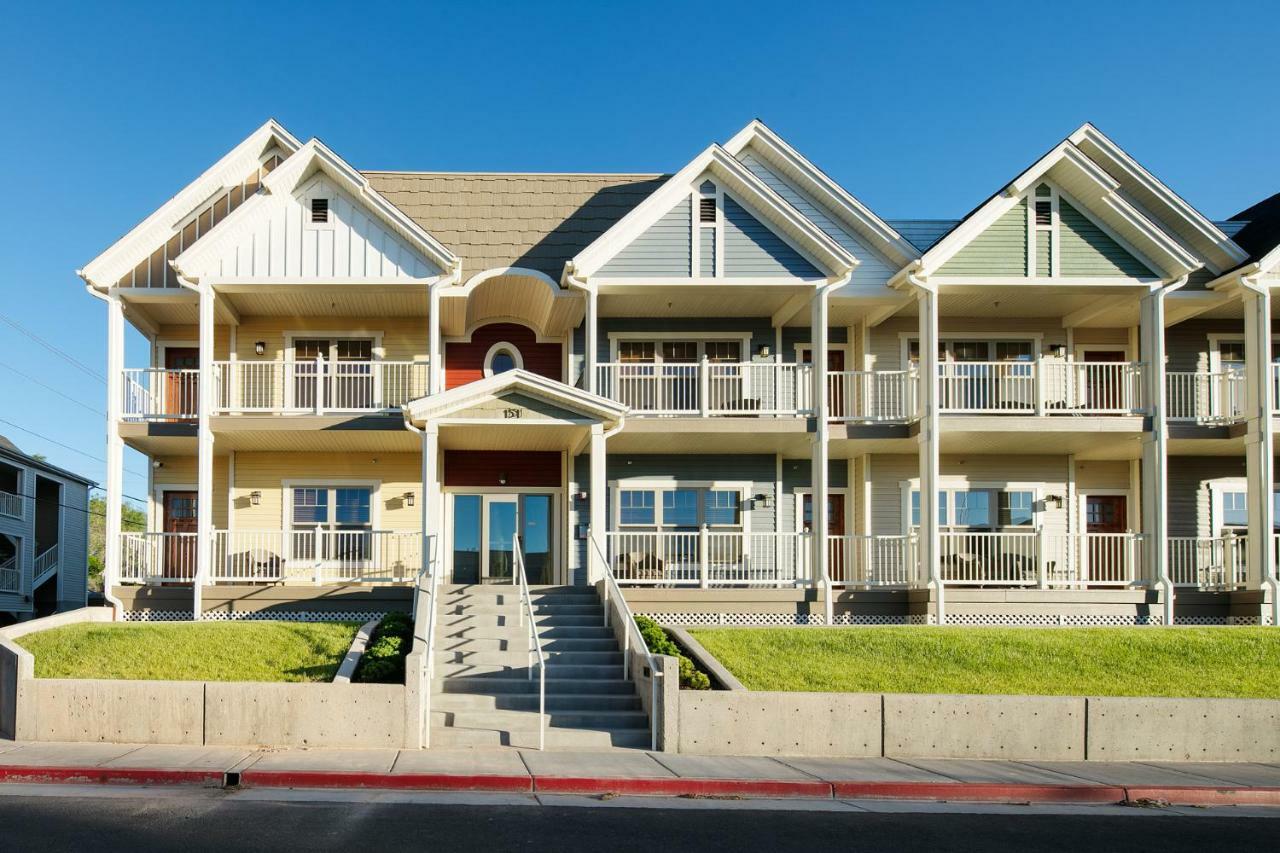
61	353
32	379
58	503
66	446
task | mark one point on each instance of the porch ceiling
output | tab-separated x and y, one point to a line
701	300
1086	438
1091	306
325	300
307	434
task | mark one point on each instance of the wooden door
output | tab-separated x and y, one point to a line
181	390
1107	555
838	560
1103	386
180	551
836	393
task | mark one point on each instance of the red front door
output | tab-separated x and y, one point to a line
181	387
1107	557
835	388
180	551
837	560
1104	385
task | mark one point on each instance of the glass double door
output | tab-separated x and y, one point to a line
486	529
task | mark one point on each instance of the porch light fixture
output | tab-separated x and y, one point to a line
260	347
1054	501
408	498
502	478
255	498
763	351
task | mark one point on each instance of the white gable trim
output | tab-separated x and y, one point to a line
591	406
775	150
158	228
771	208
279	187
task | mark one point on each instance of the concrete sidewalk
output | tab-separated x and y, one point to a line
634	772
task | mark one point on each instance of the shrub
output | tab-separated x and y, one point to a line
383	658
660	643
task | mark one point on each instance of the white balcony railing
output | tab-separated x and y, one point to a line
1205	397
290	556
876	396
706	389
1208	563
317	387
1040	387
1275	387
1035	558
316	555
11	504
707	558
158	393
873	561
10	576
46	562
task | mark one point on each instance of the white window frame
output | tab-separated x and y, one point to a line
376	354
1217	489
155	518
318	188
1082	506
659	338
1034	230
743	488
989	338
952	485
1215	349
502	346
375	498
698	226
799	496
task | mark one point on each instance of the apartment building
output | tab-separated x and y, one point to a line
1056	410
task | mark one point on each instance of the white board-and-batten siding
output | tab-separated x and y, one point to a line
353	244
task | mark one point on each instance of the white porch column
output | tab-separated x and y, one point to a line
204	453
435	374
1155	447
589	357
432	509
928	438
1259	440
597	504
821	470
115	445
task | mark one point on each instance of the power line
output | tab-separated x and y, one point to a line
58	503
54	390
61	353
66	446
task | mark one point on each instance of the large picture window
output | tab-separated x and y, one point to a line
980	509
680	508
332	522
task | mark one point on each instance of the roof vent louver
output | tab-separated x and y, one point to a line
707	210
1044	213
319	210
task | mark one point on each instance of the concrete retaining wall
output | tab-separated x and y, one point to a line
342	715
1045	728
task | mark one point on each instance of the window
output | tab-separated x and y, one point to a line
319	210
970	350
1231	355
349	361
1017	509
980	509
342	516
680	351
1235	511
722	509
501	358
636	507
680	508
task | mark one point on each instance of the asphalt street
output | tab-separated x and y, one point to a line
141	819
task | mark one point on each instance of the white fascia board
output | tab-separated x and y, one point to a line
280	185
1131	169
819	184
520	381
158	228
751	189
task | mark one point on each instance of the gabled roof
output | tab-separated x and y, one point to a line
1261	235
583	404
779	154
496	220
12	451
1104	196
161	226
314	156
747	188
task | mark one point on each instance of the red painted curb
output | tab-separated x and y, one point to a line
108	775
386	781
989	792
1204	796
682	787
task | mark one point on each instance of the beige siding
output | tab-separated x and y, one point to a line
403	339
221	339
391	474
181	470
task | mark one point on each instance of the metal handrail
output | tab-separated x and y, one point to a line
535	643
431	568
612	589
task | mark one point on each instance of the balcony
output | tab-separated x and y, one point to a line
708	558
1206	563
1033	558
10	575
316	556
11	504
1205	398
707	389
1040	388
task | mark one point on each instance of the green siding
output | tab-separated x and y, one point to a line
1044	252
1087	251
1000	250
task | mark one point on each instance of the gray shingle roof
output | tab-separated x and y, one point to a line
495	220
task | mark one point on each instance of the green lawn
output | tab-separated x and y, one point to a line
1228	662
205	651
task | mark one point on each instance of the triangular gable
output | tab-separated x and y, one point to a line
752	249
537	397
664	249
273	236
140	258
1091	191
731	178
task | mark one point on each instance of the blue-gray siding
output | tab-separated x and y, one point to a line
665	250
751	249
707	252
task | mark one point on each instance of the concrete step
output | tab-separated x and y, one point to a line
515	682
499	588
514	618
520	670
521	642
514	608
448	737
574	703
528	720
520	657
520	634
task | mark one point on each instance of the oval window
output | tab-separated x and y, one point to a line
502	362
501	358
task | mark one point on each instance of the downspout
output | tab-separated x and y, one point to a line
117	606
435	378
822	437
575	282
930	429
1159	427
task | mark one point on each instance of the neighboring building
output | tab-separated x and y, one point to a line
44	536
1057	410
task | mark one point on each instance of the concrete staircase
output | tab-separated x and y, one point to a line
483	696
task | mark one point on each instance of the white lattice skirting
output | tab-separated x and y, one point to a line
258	616
1019	620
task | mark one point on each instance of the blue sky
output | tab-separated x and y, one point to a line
919	109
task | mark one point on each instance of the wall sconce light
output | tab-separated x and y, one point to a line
255	498
1053	501
763	351
408	498
760	501
157	464
260	347
502	478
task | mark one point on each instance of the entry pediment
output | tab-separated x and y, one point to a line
517	397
